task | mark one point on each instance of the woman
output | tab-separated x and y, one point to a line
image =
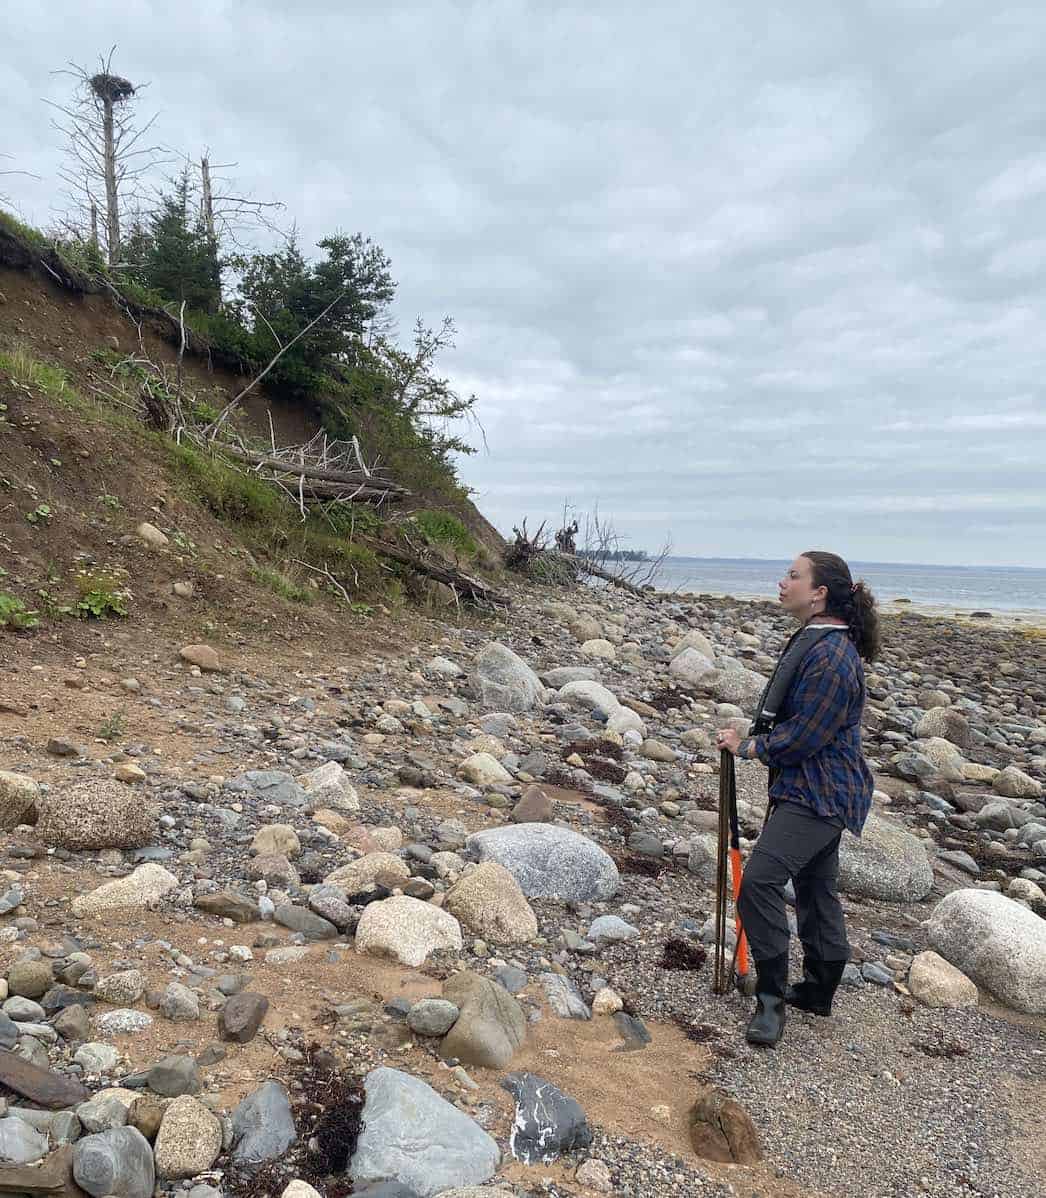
820	785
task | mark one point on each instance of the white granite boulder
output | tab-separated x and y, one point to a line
997	942
549	861
406	929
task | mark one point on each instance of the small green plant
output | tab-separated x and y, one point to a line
281	585
361	609
113	726
103	592
203	412
111	501
15	614
186	544
345	520
41	514
53	607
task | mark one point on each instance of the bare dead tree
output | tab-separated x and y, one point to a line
603	547
228	216
107	152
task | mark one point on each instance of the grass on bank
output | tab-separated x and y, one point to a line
268	522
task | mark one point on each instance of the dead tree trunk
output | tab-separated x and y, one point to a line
207	208
112	203
94	226
589	567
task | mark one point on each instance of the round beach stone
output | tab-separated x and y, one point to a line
489	902
503	681
18	796
147	885
691	664
432	1017
360	875
95	813
481	769
115	1162
189	1139
1013	783
936	983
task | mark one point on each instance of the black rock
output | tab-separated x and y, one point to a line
547	1123
632	1031
60	997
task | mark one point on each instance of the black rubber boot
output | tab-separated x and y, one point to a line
820	982
767	1024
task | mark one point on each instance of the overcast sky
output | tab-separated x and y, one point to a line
757	277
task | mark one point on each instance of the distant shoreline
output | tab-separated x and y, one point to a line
1001	617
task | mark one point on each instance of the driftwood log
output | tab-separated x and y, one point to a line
589	567
469	587
341	480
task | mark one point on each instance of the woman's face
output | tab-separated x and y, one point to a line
796	591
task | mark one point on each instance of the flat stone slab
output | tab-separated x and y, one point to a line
53	1176
52	1090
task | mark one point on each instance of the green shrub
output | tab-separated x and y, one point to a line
441	528
345	520
354	566
103	592
15	614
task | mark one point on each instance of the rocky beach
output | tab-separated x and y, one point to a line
433	911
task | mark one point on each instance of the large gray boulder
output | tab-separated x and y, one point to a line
550	862
274	786
414	1136
885	862
997	942
741	686
262	1126
502	681
691	665
117	1162
590	696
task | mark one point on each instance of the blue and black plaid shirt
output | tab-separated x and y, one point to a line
815	749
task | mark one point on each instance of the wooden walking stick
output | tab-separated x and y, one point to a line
728	884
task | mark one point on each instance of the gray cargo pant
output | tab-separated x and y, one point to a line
800	845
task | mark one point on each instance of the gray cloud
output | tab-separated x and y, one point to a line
752	278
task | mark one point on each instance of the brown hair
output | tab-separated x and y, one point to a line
849	601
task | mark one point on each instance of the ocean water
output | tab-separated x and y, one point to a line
986	587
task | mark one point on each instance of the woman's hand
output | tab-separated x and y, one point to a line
727	738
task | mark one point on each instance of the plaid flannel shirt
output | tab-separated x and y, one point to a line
814	752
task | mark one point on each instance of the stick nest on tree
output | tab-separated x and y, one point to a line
112	87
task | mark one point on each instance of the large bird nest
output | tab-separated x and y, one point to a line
111	87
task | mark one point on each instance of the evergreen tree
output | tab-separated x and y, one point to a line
180	260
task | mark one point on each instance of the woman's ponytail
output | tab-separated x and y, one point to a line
848	600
